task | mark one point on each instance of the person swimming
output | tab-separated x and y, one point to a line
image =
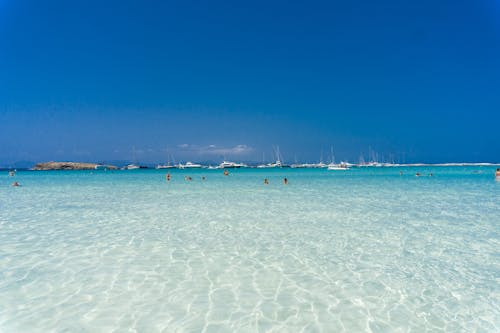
12	173
16	184
285	181
266	181
400	173
226	173
417	174
203	178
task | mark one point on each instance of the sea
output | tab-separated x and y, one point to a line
364	250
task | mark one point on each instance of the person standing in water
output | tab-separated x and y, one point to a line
168	176
497	174
285	181
266	181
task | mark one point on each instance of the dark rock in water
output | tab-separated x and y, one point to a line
71	166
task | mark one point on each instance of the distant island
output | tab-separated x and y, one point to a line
71	166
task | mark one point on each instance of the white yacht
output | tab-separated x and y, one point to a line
298	165
372	164
132	167
276	164
310	165
342	166
320	165
189	165
226	165
165	166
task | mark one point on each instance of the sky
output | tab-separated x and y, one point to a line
413	81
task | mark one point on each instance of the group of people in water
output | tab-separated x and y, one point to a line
285	181
12	174
418	174
168	177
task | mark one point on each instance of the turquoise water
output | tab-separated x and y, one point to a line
333	251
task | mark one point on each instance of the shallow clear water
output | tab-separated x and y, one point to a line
359	250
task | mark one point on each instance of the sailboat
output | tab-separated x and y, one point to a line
276	164
166	166
132	166
297	164
342	166
321	164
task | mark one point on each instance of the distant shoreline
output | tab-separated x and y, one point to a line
55	166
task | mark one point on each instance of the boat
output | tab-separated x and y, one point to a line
168	165
320	165
332	165
373	159
276	164
227	165
342	166
189	165
165	166
338	167
131	167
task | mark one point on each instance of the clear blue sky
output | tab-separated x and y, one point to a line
88	80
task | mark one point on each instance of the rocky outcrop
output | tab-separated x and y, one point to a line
71	166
